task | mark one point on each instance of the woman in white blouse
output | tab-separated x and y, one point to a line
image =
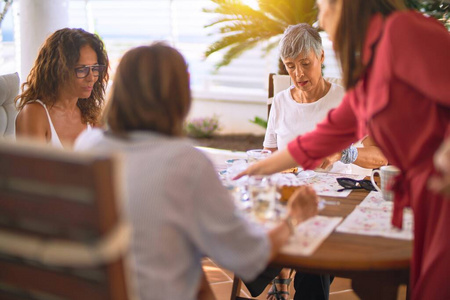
308	101
177	206
298	110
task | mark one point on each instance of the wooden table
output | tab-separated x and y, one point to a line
376	265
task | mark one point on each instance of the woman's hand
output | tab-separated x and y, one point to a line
302	205
328	162
277	162
441	184
442	157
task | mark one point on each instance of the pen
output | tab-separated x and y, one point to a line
329	202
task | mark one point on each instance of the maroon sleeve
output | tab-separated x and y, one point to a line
335	133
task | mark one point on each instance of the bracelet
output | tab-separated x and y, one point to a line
349	155
292	223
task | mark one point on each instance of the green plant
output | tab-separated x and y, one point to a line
438	9
202	127
260	122
241	27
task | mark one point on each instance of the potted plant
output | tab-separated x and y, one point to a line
203	127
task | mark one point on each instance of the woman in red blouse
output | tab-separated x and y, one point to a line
396	70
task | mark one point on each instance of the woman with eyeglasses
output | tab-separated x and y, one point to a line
395	67
64	92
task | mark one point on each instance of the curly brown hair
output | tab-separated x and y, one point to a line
54	67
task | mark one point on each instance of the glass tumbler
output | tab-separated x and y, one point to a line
262	193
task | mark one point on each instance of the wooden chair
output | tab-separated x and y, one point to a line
236	289
277	83
61	232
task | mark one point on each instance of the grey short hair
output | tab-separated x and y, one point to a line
300	39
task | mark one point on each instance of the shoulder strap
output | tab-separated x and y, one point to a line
54	140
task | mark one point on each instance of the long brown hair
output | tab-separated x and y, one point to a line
351	33
54	67
150	91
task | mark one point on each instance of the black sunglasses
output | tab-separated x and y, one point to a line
353	184
83	72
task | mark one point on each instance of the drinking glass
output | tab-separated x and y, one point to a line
238	187
256	155
262	192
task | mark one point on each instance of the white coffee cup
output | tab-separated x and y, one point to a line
387	177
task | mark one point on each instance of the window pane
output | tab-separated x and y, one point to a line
126	24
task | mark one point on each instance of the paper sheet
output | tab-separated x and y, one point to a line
375	200
373	217
309	235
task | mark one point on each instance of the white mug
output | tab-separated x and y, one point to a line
387	176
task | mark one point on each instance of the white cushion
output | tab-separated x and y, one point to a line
9	89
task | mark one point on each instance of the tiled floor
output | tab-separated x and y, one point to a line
221	282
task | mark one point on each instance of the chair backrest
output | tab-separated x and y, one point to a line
277	83
61	231
9	89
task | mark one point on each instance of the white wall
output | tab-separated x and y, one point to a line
38	19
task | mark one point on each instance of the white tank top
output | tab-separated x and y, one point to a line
54	140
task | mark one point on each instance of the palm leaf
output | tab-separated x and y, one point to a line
228	41
235	51
241	27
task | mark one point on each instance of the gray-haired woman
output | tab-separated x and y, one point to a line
306	103
296	111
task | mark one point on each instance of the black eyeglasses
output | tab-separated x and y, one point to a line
352	184
83	72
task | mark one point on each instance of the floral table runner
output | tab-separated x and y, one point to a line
309	235
373	217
